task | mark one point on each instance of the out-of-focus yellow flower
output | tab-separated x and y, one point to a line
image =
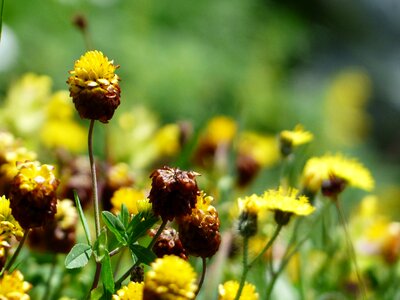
346	119
60	106
288	201
296	137
8	225
167	141
129	197
66	216
262	148
94	86
13	287
319	169
228	290
12	156
170	278
23	108
220	129
66	134
132	291
293	138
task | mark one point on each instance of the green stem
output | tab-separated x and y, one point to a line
95	199
1	16
94	180
203	275
9	263
150	246
247	266
350	248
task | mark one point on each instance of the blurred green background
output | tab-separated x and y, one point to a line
330	65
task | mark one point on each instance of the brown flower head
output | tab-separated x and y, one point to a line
199	231
94	86
173	192
33	194
59	235
168	243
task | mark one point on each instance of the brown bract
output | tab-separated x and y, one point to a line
173	192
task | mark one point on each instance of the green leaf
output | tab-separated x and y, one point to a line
82	217
107	276
96	293
78	256
143	254
124	215
100	245
115	226
141	228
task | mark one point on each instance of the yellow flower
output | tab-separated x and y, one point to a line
33	194
19	154
67	215
319	169
220	129
13	287
287	201
170	278
345	116
23	107
73	137
167	140
60	106
228	291
94	86
8	225
133	291
252	204
296	137
129	197
262	148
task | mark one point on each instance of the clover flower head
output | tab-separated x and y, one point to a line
33	194
13	286
94	86
170	278
173	192
228	290
132	291
8	225
199	231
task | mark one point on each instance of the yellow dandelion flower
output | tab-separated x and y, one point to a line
296	137
8	225
129	197
262	148
287	201
228	290
94	86
319	169
220	129
13	287
252	204
133	291
292	138
170	278
67	215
